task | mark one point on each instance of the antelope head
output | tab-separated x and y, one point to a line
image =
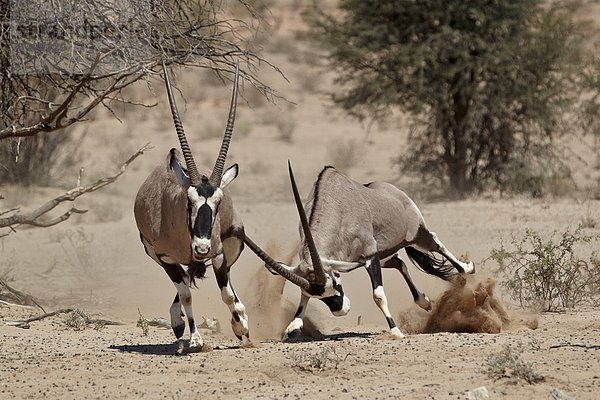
310	275
204	193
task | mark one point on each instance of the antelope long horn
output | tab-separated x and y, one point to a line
320	278
217	173
185	147
287	274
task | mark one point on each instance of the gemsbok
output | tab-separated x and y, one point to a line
351	225
185	216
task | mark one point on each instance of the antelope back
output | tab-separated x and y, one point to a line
344	215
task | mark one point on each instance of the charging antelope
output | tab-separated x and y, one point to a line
185	216
353	225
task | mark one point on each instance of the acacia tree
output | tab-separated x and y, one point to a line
489	85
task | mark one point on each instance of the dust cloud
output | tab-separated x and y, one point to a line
470	305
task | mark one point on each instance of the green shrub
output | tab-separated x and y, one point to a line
547	274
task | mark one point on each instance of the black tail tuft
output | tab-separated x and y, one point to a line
197	269
431	265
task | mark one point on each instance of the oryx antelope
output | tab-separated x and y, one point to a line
185	216
351	225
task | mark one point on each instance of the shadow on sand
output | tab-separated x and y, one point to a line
331	337
162	349
170	349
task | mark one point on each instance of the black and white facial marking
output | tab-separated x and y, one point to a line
204	200
334	296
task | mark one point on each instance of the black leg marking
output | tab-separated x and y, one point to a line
390	322
183	297
239	320
175	272
299	311
178	330
374	270
418	297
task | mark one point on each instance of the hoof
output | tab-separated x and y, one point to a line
291	335
201	348
396	333
424	302
247	343
180	347
472	267
240	328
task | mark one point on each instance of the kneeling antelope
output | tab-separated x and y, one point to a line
351	225
185	216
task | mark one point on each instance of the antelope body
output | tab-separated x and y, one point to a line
185	216
351	225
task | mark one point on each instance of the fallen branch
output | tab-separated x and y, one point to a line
16	297
32	218
9	304
24	323
584	346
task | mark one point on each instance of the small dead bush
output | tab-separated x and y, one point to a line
143	324
589	219
42	159
508	365
546	273
79	320
76	320
321	359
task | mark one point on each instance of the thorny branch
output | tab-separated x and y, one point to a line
16	297
109	46
33	217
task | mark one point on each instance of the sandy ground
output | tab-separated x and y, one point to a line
95	262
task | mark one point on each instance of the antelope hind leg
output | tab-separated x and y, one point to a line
467	268
419	297
374	269
294	329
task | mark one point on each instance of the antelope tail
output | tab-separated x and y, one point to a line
430	264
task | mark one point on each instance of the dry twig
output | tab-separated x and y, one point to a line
85	317
13	296
32	218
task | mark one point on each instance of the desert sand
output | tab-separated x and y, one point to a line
96	263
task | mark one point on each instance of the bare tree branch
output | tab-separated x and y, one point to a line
108	46
16	297
32	218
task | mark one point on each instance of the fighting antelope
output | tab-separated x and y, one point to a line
185	216
351	225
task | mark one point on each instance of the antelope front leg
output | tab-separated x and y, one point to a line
374	269
295	327
183	297
239	319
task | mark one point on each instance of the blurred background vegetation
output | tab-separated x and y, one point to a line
489	86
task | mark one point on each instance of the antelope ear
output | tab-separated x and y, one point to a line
178	170
229	175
